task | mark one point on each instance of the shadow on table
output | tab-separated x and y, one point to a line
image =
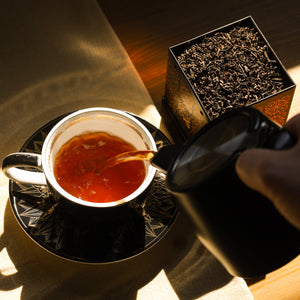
190	269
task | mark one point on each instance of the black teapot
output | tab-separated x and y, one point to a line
238	225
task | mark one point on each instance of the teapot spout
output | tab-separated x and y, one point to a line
165	156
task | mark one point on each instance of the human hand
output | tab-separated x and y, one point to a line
275	174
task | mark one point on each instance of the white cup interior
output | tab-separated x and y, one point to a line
111	121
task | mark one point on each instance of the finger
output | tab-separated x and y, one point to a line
274	174
255	166
293	125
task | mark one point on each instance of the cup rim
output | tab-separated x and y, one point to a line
51	178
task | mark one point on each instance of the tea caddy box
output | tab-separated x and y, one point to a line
229	67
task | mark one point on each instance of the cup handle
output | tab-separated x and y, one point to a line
12	161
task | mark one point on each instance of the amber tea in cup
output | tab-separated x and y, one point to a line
79	170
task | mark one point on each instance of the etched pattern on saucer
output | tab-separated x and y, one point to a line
40	217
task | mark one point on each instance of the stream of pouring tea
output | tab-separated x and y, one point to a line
125	157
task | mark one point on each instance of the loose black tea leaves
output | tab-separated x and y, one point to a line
231	69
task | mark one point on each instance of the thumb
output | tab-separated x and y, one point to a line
256	168
274	174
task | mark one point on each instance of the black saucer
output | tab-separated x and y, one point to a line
89	240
